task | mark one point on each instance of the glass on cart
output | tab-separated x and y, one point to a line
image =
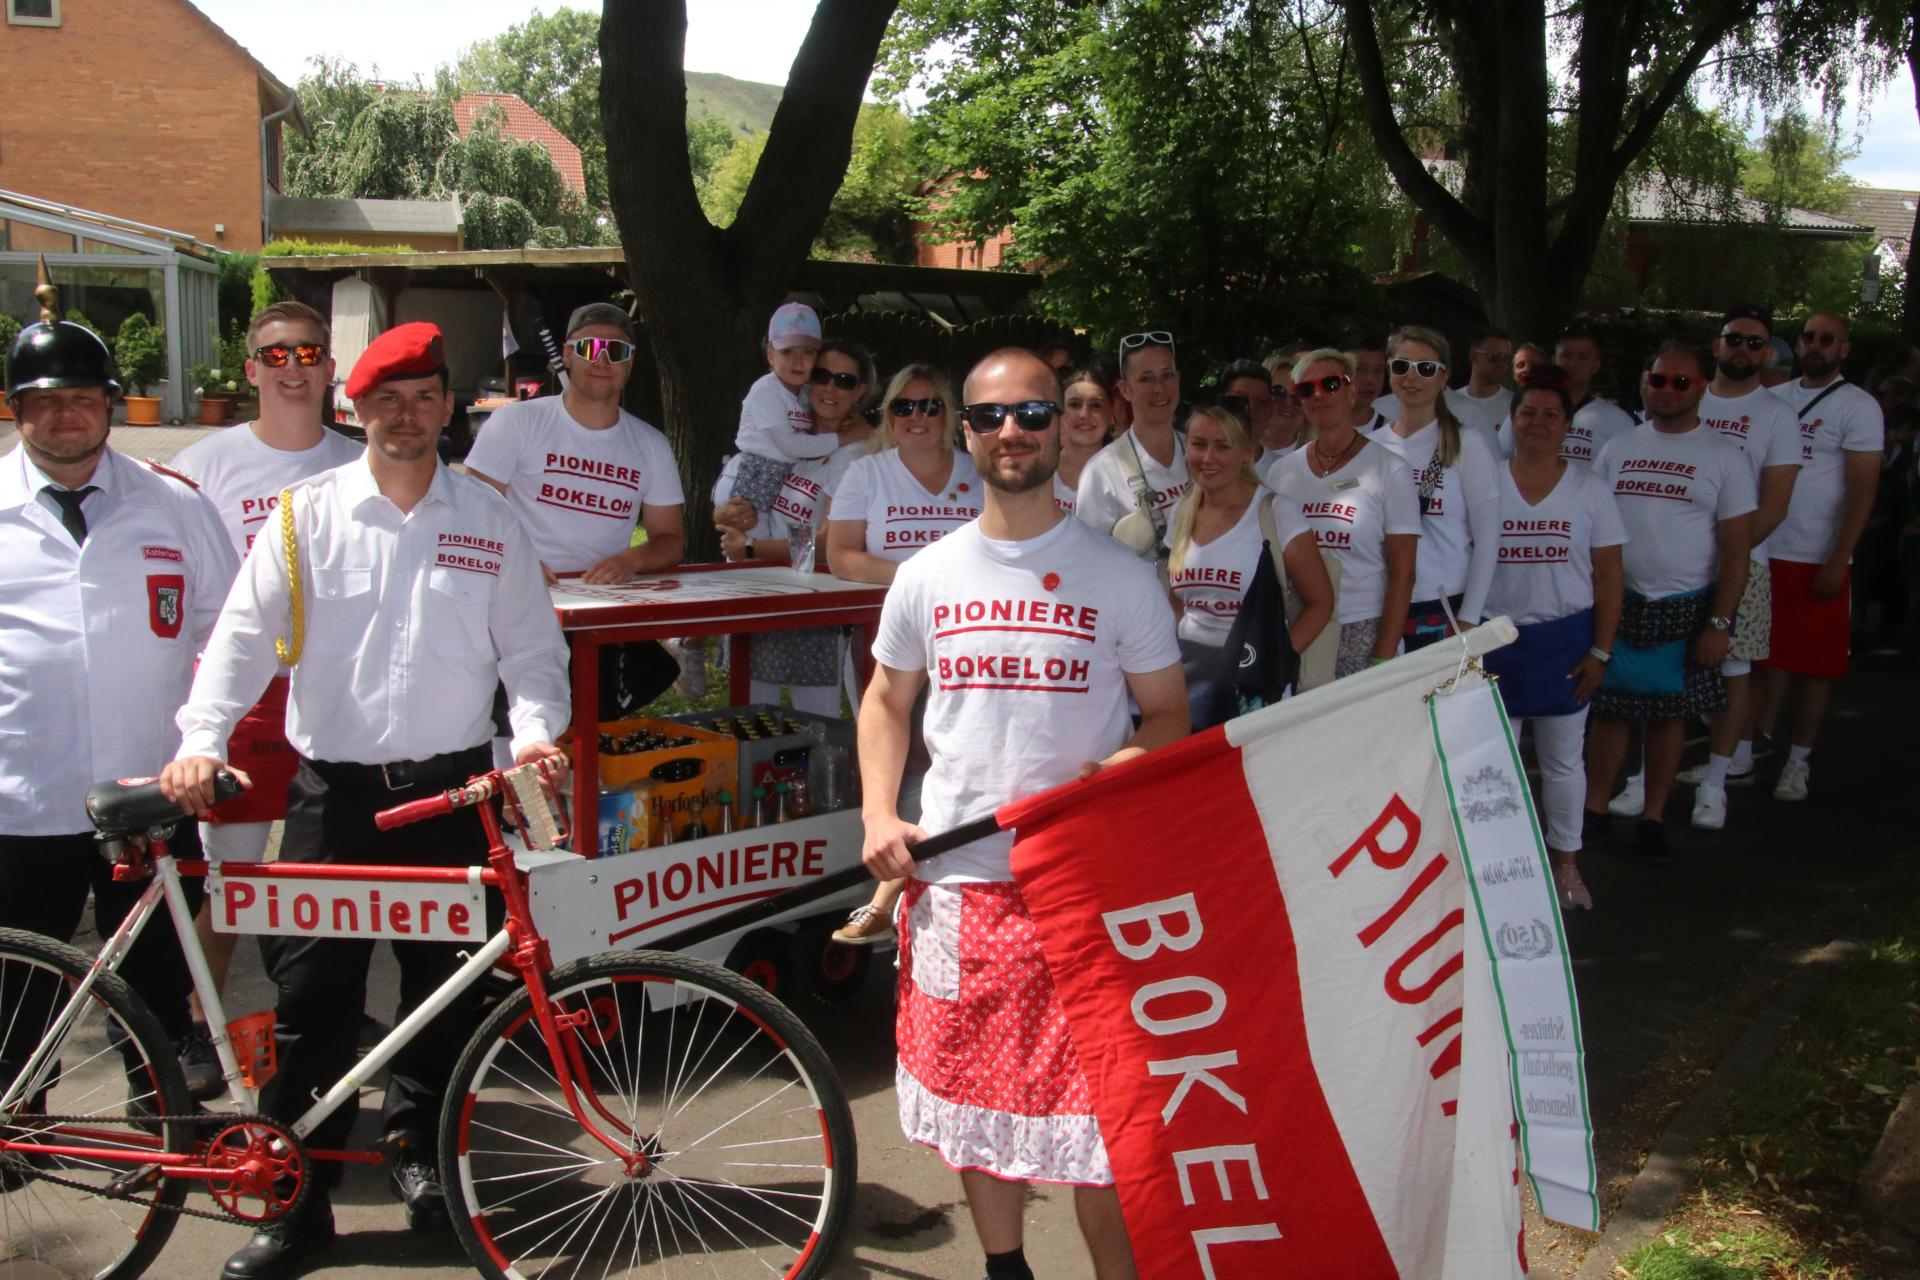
800	544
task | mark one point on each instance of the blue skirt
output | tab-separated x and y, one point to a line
1535	671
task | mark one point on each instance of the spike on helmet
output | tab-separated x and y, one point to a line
57	353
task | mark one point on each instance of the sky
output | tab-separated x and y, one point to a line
756	40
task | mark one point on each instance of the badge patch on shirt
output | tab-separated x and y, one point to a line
165	594
162	553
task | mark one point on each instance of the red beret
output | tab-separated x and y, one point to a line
404	351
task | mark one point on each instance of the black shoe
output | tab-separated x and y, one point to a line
200	1064
279	1247
416	1182
1650	840
1595	828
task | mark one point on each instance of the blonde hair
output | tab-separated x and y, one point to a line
1180	537
883	439
1298	370
1447	452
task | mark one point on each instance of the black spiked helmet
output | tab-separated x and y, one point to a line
50	355
56	353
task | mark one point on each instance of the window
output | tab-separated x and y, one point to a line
33	13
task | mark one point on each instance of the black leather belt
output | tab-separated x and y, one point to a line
447	768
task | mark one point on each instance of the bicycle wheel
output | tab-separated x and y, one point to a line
748	1139
113	1062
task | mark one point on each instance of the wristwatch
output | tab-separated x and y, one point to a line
1600	655
1719	623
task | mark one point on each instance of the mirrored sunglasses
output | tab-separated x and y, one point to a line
616	350
931	407
302	353
1321	386
1425	368
845	381
1028	415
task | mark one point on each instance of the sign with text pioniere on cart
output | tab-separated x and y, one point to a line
665	810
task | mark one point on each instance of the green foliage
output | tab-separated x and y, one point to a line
496	222
75	317
9	330
745	107
264	292
210	380
1192	164
140	351
234	291
709	139
314	248
552	63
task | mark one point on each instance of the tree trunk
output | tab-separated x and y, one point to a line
1910	307
703	294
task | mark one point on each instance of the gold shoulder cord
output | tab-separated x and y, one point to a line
289	651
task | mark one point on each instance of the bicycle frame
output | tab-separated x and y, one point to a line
519	943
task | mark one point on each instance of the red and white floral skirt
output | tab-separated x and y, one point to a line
987	1074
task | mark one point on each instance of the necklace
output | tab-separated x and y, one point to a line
1328	464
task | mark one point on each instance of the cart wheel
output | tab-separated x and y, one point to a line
764	958
827	970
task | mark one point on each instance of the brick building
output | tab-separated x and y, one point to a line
155	115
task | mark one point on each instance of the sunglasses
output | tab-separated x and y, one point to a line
1425	368
845	381
1321	386
1754	341
1028	415
1821	337
1680	381
931	407
616	350
1150	338
303	353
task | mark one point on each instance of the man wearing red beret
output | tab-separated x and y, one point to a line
420	592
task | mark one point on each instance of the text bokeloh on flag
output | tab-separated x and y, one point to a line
1298	1021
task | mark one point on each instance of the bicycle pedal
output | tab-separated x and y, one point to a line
134	1180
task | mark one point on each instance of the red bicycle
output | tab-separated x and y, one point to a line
630	1113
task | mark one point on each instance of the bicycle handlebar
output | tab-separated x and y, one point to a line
414	811
483	786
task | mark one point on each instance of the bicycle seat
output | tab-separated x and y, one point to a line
134	804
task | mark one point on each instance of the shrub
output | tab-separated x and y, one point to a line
140	349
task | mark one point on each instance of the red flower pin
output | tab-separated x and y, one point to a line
963	487
1051	582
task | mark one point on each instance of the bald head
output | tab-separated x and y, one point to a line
1010	368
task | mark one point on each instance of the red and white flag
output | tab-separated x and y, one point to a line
1314	972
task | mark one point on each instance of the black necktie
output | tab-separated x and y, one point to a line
70	513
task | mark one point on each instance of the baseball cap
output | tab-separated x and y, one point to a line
600	313
794	324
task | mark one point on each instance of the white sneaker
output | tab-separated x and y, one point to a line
1710	808
1736	776
1632	802
1792	786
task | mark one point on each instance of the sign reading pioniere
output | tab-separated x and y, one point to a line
1312	1043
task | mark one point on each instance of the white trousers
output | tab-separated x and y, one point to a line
1559	744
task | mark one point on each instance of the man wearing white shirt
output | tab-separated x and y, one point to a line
421	591
1595	421
1145	470
1484	401
1841	437
111	577
242	471
1746	415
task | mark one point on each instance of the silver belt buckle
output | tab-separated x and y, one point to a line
401	768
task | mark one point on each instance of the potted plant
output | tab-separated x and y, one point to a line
233	359
140	349
9	330
217	393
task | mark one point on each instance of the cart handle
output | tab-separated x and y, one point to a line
479	788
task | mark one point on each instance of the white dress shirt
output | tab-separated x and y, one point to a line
411	617
97	641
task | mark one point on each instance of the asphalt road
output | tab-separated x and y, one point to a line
1665	952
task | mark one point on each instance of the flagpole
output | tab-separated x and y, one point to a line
825	887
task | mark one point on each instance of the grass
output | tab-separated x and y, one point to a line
1777	1198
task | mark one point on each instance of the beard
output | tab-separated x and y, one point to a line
1738	369
1817	362
1042	472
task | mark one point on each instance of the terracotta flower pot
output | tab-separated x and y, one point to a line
6	411
143	411
216	411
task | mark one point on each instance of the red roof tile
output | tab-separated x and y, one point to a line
524	123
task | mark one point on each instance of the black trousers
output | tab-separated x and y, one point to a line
323	981
44	883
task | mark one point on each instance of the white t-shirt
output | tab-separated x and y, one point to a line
1594	424
1214	578
1764	429
1105	495
1026	646
1546	551
1673	490
242	475
1063	494
902	515
803	494
1270	459
778	423
1461	516
1473	411
1351	512
1848	421
578	491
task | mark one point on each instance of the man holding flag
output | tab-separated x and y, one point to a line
1032	630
